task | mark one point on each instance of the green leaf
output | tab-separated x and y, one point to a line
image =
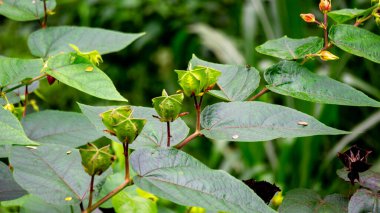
127	201
258	121
11	130
343	15
57	127
52	172
154	133
24	10
70	69
364	200
54	40
368	179
4	151
356	41
110	184
177	176
236	83
14	70
292	79
307	201
9	189
289	48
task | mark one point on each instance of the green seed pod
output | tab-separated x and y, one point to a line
112	117
168	107
197	81
128	130
96	160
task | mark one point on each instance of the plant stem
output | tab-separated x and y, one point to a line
168	132
359	21
44	22
325	29
126	160
108	196
91	191
81	206
197	131
262	92
25	102
26	83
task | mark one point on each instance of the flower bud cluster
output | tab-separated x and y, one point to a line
168	107
96	160
119	122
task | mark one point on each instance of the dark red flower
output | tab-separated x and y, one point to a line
263	189
50	79
355	160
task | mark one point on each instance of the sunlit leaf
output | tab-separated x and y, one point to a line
258	121
343	15
54	40
14	70
70	69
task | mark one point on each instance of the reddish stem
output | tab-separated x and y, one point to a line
325	29
126	160
258	95
44	22
168	132
26	101
91	191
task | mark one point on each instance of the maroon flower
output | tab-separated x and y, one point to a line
355	160
50	79
263	189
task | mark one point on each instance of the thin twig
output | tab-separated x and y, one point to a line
91	191
325	29
26	101
126	160
81	206
188	139
168	133
262	92
26	83
108	196
44	22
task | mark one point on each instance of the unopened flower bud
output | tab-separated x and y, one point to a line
309	17
325	6
96	160
119	122
168	107
198	81
50	79
327	56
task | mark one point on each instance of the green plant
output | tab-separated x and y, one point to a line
44	151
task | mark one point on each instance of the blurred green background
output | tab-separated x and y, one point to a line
222	31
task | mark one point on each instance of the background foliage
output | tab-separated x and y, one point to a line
222	31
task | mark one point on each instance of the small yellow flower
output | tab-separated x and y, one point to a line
68	198
277	199
195	209
327	56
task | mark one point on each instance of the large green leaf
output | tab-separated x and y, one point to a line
11	130
343	15
9	189
24	10
307	201
154	133
292	79
236	83
70	69
52	172
364	200
177	176
289	48
14	70
356	41
258	121
57	127
129	201
54	40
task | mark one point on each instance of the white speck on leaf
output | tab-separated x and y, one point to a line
31	147
68	152
302	123
235	136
